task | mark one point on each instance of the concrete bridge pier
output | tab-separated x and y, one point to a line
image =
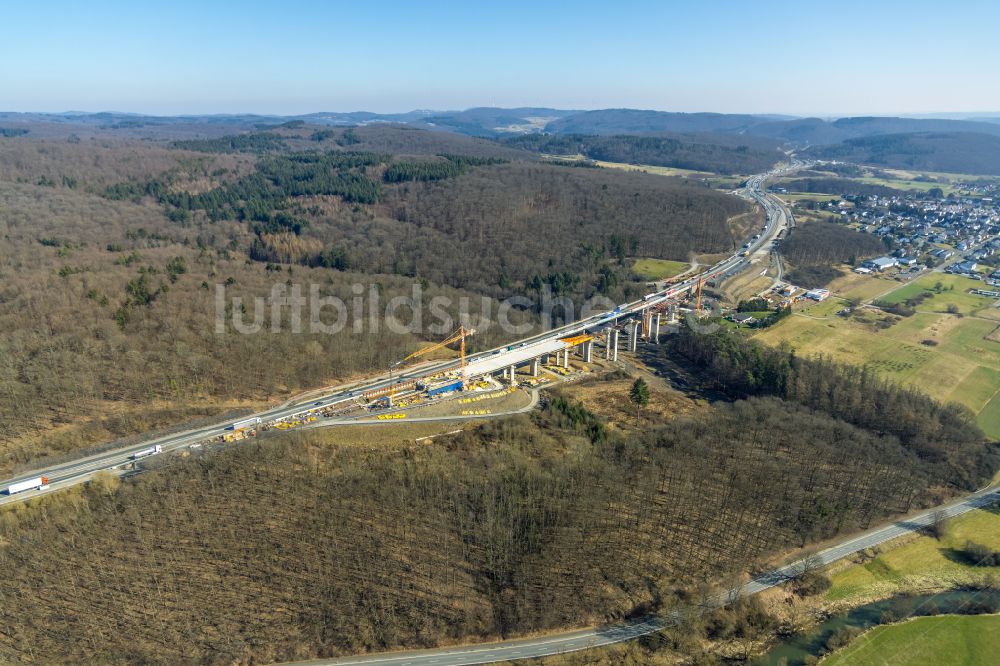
633	337
655	337
535	362
588	351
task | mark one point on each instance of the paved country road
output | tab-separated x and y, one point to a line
572	641
68	474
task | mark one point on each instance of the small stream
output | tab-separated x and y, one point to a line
794	650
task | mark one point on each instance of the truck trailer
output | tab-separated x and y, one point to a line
151	451
37	483
245	423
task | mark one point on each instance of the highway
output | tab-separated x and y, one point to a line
583	639
67	474
78	471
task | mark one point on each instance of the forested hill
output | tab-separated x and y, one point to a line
958	152
714	153
407	140
636	121
815	131
109	249
720	142
484	222
518	225
566	518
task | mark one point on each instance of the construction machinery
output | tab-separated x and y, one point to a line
458	336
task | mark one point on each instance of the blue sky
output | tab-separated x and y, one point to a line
295	56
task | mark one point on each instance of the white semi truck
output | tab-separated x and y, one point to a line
251	422
151	451
37	483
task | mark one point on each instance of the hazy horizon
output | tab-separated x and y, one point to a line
298	57
948	115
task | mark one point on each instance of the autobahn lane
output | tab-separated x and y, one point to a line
583	639
63	475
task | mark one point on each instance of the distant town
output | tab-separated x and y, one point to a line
961	234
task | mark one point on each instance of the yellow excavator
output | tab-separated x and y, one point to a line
458	336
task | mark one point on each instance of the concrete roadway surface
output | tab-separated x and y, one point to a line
572	641
68	474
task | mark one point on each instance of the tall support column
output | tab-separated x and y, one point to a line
633	338
607	343
513	375
656	328
565	359
672	314
534	366
588	351
614	344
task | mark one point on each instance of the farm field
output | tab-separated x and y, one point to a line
792	197
947	356
803	215
658	170
865	287
848	286
954	291
714	180
906	184
989	418
658	269
923	563
944	640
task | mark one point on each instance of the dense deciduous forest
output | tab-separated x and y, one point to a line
108	307
943	437
261	142
815	247
99	319
403	140
680	152
514	526
304	546
525	223
102	343
447	219
957	152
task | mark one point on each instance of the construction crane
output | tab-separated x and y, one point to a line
458	336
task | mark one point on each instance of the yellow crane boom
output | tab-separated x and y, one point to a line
460	335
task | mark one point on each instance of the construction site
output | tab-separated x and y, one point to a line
502	381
